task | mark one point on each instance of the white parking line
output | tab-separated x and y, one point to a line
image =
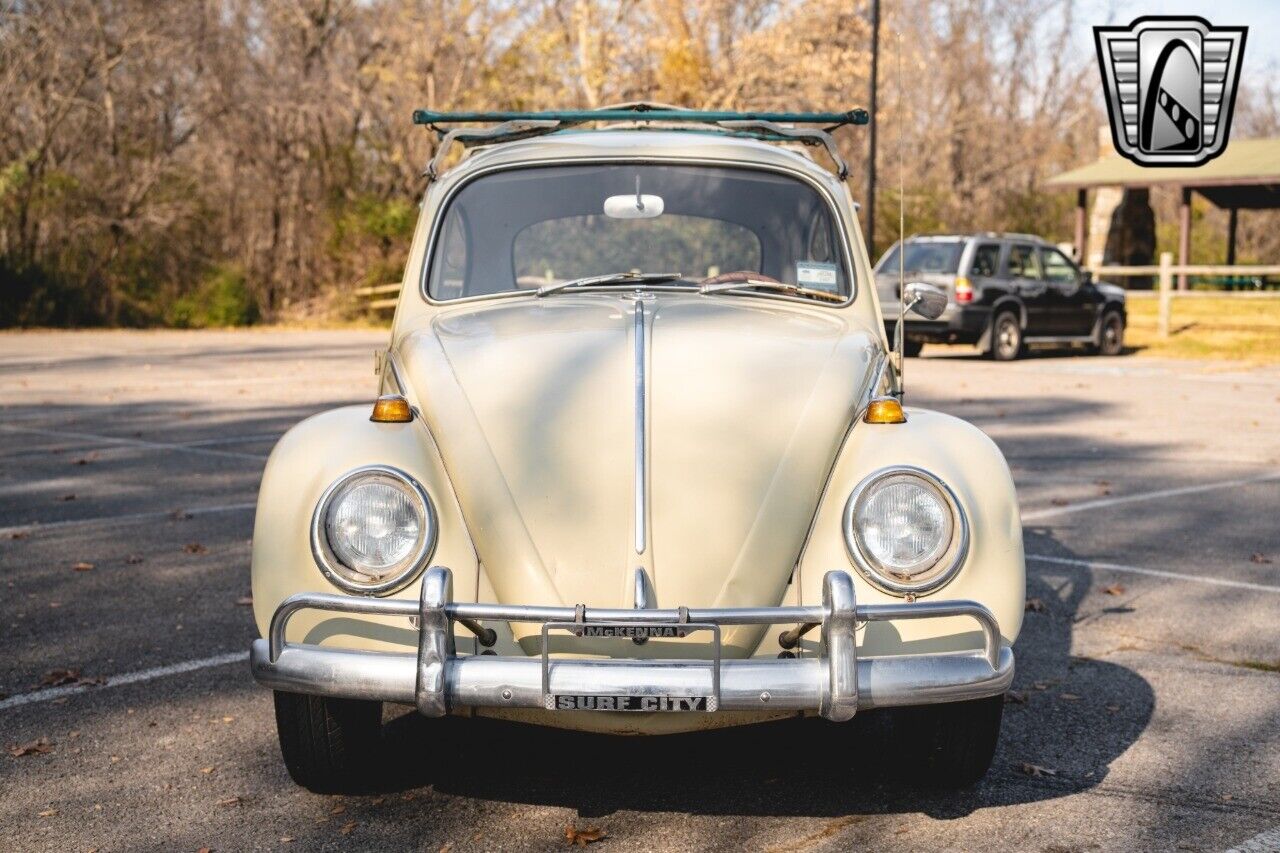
37	526
127	678
132	442
1155	573
1037	514
1267	841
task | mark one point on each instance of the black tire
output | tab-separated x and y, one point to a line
911	349
949	745
1110	335
1006	336
328	744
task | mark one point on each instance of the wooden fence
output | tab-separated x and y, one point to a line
377	295
1168	269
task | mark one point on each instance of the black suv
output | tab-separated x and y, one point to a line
1005	291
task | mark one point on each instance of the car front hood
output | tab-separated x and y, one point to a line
532	404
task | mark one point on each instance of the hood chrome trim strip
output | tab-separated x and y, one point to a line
641	472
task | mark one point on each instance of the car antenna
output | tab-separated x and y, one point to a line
902	248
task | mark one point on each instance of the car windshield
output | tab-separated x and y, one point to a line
941	256
523	229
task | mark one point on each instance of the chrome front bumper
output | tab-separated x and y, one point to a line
835	683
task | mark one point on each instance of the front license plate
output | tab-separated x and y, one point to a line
565	702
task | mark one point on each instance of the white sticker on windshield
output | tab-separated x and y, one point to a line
817	275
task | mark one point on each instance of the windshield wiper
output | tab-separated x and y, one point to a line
609	278
777	286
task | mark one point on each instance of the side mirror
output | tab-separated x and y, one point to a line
925	299
1086	276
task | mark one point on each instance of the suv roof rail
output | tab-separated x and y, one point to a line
994	235
1012	235
512	126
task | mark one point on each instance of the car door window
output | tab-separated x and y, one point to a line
1024	262
986	260
1058	269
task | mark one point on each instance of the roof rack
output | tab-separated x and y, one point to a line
512	126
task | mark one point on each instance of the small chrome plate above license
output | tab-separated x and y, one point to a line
632	631
631	703
694	684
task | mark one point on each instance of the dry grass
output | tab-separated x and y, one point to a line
1242	329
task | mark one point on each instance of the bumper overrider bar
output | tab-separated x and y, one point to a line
835	684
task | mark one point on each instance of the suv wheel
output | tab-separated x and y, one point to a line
1111	335
1006	337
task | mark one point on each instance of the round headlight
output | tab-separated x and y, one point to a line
373	530
905	531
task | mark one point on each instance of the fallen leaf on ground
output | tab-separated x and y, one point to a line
1114	589
202	849
245	601
82	566
1014	697
1035	605
1059	501
583	837
287	839
65	498
1070	697
206	770
18	534
1030	769
230	802
1113	708
64	677
195	548
41	746
48	813
133	559
348	827
180	515
338	809
1259	559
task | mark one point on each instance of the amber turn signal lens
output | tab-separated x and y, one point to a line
391	409
885	411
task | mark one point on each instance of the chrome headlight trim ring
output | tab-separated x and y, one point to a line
326	559
950	562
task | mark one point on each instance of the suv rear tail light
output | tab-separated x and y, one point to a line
964	290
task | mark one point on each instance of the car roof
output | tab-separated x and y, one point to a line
640	143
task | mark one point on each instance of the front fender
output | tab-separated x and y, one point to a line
993	572
302	465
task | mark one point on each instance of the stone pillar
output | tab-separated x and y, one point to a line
1131	234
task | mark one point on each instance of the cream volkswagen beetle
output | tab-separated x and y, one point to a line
638	465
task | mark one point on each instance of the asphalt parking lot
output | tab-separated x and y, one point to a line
1148	686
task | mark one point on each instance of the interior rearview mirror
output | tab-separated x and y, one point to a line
924	299
633	206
